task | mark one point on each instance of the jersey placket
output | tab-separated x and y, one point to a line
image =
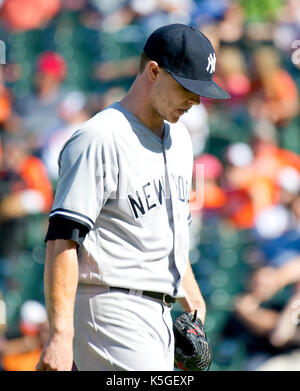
172	194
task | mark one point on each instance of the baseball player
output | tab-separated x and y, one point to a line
118	235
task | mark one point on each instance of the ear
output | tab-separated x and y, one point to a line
153	70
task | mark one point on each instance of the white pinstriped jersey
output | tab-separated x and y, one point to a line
131	189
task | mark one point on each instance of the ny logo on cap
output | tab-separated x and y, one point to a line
211	63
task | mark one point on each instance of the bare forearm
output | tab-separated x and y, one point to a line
193	300
61	279
262	322
290	272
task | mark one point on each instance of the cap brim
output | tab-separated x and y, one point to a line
205	88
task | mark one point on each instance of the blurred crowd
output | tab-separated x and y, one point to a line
64	61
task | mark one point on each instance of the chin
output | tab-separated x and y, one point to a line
172	119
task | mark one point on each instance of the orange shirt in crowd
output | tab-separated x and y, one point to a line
34	174
281	96
25	361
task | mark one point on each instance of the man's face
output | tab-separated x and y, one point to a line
169	99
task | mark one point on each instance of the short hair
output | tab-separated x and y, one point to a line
144	59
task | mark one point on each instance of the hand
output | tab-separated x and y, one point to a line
265	283
287	325
246	305
57	354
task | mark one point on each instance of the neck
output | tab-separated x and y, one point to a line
138	102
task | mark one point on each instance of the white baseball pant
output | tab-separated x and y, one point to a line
117	331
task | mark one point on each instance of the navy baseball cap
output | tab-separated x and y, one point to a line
188	56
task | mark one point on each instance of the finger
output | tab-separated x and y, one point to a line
50	369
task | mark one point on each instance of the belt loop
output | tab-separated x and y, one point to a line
135	292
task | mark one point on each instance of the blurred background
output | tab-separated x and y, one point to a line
63	61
